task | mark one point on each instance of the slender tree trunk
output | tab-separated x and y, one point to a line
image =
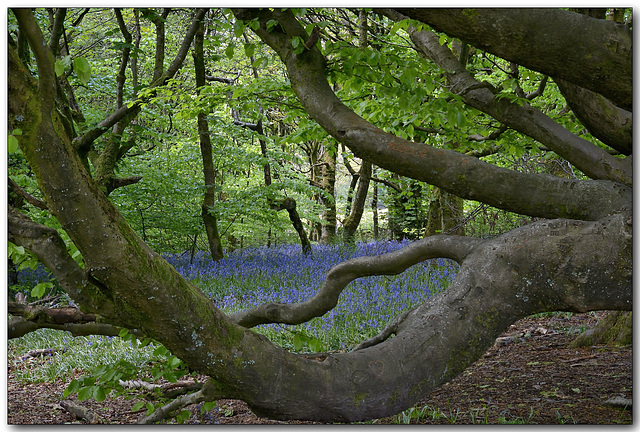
445	214
209	200
328	185
351	223
374	210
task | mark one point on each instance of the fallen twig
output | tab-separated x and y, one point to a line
579	358
42	352
81	412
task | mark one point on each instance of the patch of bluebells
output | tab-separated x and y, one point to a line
31	277
253	276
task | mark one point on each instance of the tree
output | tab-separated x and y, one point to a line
208	202
578	258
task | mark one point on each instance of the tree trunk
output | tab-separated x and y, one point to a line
328	185
445	214
616	327
374	208
555	29
209	200
351	223
552	264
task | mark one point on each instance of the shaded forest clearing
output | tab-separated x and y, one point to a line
534	379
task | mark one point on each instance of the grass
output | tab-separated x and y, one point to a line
72	354
474	416
244	279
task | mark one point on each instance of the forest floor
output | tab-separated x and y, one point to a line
535	378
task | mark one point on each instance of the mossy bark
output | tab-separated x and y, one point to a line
615	328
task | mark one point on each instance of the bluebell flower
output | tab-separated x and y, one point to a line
247	278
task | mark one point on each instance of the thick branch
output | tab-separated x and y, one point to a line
121	77
610	124
589	158
592	53
454	247
56	30
44	57
47	245
123	181
461	175
18	327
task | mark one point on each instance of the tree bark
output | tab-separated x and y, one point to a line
327	184
615	328
209	200
605	121
445	214
600	59
350	224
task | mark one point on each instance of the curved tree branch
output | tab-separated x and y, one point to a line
589	158
47	245
547	265
610	124
27	196
537	39
464	176
19	326
337	279
57	29
207	393
44	57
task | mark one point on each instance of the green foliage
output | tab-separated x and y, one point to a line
302	342
107	379
21	257
12	142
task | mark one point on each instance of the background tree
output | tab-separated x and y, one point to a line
546	265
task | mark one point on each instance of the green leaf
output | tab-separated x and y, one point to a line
256	64
61	64
39	290
83	69
316	345
73	387
12	144
183	416
229	51
160	351
150	408
85	393
98	394
249	49
271	23
238	28
298	342
15	250
207	406
137	406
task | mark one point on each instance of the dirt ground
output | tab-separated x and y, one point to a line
531	377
